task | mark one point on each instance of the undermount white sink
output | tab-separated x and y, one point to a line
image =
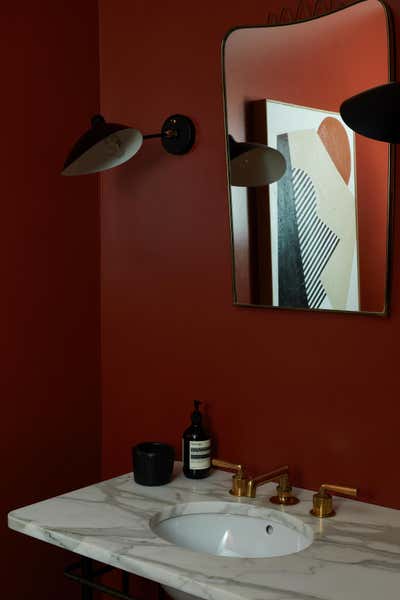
233	530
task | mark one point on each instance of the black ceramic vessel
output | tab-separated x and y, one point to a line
153	463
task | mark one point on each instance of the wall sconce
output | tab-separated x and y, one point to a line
107	145
254	165
375	113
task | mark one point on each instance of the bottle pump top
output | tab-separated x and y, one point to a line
196	414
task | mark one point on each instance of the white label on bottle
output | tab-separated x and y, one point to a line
200	455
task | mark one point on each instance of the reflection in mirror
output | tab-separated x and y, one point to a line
316	238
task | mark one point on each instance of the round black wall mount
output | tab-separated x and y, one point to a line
178	134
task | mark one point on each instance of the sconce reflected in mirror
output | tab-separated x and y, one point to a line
107	145
254	165
375	113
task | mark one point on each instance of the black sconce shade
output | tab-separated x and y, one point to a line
375	113
254	165
107	145
103	146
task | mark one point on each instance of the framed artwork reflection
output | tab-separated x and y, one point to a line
313	210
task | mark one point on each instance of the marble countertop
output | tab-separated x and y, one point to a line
354	556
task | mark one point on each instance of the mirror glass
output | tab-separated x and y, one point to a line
318	237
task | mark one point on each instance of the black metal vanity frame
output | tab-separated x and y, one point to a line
84	573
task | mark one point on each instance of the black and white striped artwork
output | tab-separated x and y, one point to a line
317	242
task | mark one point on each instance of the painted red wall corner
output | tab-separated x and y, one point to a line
49	301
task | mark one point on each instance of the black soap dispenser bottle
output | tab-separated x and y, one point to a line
196	447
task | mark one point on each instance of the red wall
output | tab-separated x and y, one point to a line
318	391
321	63
49	301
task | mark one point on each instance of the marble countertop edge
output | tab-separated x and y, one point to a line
355	555
147	568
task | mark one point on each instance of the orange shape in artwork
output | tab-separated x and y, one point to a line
335	140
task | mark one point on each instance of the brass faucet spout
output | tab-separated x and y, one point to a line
280	474
242	485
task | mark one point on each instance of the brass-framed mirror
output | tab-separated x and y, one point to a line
317	238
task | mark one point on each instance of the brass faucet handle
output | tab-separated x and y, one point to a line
223	464
239	480
339	489
322	500
239	485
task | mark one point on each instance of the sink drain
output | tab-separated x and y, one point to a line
269	529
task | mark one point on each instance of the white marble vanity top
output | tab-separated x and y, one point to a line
354	556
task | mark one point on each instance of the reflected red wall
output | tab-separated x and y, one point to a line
319	391
49	301
320	64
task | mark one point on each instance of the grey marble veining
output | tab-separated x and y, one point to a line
354	556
